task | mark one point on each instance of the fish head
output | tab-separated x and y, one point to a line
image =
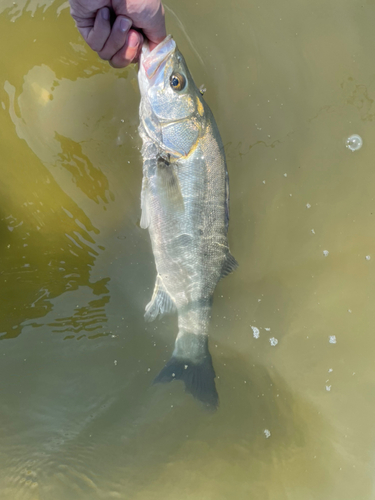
172	108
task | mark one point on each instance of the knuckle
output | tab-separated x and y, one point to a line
97	47
119	62
95	42
104	56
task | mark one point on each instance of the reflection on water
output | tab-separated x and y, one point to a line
289	83
90	180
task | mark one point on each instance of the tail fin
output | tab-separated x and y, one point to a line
198	375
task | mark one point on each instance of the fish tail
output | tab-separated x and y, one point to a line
191	362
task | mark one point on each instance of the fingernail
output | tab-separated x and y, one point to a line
133	39
105	14
125	24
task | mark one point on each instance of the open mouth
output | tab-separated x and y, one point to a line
154	59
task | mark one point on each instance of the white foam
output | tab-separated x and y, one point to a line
255	332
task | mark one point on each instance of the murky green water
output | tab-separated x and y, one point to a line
79	420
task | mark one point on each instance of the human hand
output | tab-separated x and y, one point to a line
107	27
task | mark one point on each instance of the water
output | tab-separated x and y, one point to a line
288	82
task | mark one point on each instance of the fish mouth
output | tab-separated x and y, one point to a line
152	60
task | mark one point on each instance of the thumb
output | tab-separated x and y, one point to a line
155	31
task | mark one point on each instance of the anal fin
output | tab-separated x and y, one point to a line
160	304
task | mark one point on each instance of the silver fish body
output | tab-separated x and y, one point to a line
185	206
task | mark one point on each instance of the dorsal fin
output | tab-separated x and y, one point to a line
226	199
229	265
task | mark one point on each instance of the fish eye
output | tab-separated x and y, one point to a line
177	81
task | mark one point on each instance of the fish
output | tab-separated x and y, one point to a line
185	207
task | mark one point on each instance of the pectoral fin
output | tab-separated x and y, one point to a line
168	186
160	304
146	216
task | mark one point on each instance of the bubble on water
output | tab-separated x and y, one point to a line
368	257
354	142
325	253
273	341
330	370
312	230
308	205
267	433
255	332
332	339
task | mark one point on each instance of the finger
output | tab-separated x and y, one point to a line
147	15
156	31
99	34
117	38
130	52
